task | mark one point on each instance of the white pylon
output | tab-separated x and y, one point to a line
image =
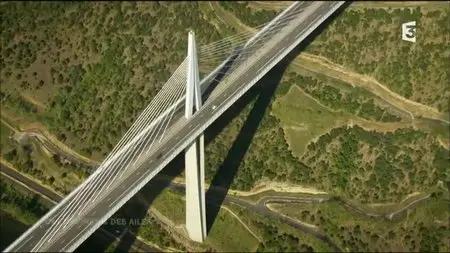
194	153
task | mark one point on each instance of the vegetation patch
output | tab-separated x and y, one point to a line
303	118
377	167
251	148
424	228
172	205
341	96
368	41
279	237
246	14
20	205
86	62
153	231
30	157
228	234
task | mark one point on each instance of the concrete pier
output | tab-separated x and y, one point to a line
194	154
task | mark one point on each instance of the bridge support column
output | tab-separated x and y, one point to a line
194	153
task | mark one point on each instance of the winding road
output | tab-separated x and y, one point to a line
259	207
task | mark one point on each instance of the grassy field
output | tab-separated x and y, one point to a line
342	96
153	231
304	119
423	228
172	205
228	234
209	12
5	135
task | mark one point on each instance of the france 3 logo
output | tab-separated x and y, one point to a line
409	31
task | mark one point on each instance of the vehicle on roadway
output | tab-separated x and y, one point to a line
214	107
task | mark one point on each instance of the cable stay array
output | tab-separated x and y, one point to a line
151	126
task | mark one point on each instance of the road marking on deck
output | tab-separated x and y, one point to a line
269	61
29	238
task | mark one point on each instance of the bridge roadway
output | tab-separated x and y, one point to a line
179	136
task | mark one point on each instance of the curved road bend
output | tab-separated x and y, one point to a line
53	196
43	140
56	198
263	210
259	207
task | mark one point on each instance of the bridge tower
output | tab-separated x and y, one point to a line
194	153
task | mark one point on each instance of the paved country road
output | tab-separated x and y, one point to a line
262	209
259	208
44	141
31	184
